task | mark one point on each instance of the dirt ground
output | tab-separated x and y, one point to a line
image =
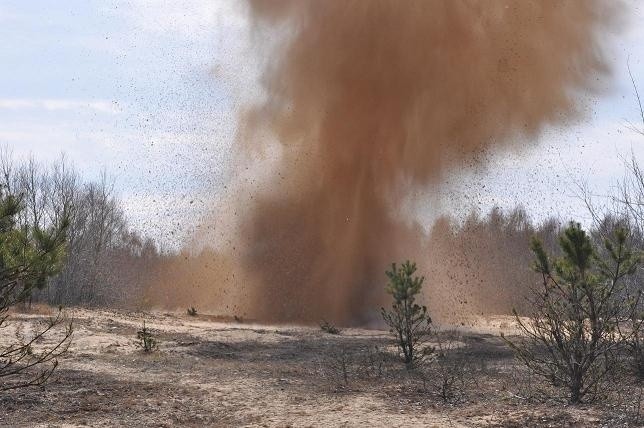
212	372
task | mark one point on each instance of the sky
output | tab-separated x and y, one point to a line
149	91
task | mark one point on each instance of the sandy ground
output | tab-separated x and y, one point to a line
212	373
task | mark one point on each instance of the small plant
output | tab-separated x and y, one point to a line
373	364
192	311
146	339
409	322
340	365
329	328
451	369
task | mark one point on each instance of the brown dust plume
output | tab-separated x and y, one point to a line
370	99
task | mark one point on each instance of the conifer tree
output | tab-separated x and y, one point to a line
573	333
28	257
407	320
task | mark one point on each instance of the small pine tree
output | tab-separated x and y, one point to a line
572	336
408	321
146	339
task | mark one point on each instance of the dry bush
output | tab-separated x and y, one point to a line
24	363
374	362
327	327
368	363
451	371
340	365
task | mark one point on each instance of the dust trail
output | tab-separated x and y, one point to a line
370	99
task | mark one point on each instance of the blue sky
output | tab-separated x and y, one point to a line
146	90
149	91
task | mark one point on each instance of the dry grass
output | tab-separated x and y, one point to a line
212	373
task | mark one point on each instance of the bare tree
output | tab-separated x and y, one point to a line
107	261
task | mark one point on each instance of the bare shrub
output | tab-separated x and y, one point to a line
367	363
340	365
453	368
327	327
24	364
450	371
374	361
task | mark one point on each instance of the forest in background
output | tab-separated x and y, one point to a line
477	266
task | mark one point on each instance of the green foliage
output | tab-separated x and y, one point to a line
146	339
29	256
408	321
574	331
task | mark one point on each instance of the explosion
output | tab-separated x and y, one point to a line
372	99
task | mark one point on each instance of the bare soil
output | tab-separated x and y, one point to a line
213	372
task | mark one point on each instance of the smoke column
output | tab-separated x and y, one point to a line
368	100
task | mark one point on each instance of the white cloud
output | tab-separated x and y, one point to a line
100	106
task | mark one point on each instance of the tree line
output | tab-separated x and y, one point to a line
106	259
485	259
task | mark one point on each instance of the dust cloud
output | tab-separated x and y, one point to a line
369	100
364	103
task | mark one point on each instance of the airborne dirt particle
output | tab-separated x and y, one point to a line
369	100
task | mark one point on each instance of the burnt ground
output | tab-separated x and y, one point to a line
212	373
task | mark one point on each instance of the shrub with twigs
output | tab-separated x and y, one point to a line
327	327
450	372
